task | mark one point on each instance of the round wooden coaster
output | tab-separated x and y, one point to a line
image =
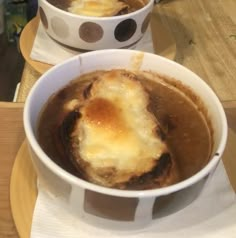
23	191
26	43
23	187
163	42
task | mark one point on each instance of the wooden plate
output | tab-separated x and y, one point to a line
23	188
23	191
163	42
26	43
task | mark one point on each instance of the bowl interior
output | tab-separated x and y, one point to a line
60	75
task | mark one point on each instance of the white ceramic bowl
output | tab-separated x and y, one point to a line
79	194
94	33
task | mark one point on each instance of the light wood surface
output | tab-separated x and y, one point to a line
205	36
23	188
11	137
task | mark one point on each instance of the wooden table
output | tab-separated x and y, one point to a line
205	34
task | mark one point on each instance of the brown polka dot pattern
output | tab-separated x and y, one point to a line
125	30
43	18
90	32
59	27
145	23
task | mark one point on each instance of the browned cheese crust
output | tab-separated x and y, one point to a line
114	139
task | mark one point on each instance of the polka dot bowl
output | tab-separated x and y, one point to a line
94	33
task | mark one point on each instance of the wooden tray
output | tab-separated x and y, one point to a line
163	42
23	188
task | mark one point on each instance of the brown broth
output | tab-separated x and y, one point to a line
65	4
61	4
181	114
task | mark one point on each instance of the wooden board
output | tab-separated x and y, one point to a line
205	36
163	42
11	137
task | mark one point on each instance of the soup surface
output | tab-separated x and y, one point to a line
99	8
186	128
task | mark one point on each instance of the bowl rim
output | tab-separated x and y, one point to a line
75	181
94	18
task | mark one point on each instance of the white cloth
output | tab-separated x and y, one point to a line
46	50
211	215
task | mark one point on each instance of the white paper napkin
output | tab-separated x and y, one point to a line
211	215
46	50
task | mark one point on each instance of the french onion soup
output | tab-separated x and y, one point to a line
102	8
127	130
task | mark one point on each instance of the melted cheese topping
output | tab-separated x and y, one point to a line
95	8
116	129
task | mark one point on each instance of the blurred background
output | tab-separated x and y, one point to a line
14	15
